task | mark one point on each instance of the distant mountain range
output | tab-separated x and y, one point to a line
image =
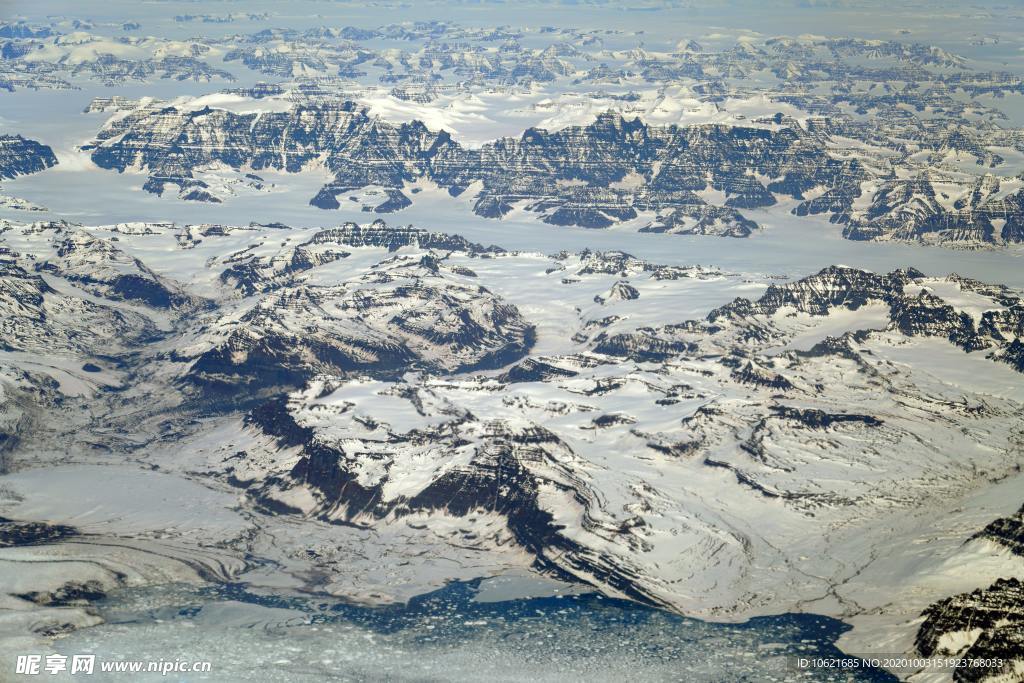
693	179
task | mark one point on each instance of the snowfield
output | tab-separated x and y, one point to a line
569	342
718	444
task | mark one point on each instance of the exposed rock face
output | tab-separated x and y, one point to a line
751	374
819	419
624	265
110	70
99	267
780	454
35	317
384	377
892	162
496	469
1006	531
908	209
20	156
379	234
913	313
14	533
610	171
929	316
910	309
486	438
360	150
620	291
699	218
533	370
47	57
19	204
640	346
250	274
986	624
1014	355
573	176
833	287
51	334
408	315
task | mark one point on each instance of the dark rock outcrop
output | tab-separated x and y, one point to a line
404	317
20	156
985	624
574	176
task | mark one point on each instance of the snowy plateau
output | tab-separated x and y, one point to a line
337	344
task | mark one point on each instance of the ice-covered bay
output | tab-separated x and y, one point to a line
448	635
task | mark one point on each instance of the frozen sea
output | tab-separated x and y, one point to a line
451	635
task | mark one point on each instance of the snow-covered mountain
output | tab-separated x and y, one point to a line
20	156
763	456
693	179
236	411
